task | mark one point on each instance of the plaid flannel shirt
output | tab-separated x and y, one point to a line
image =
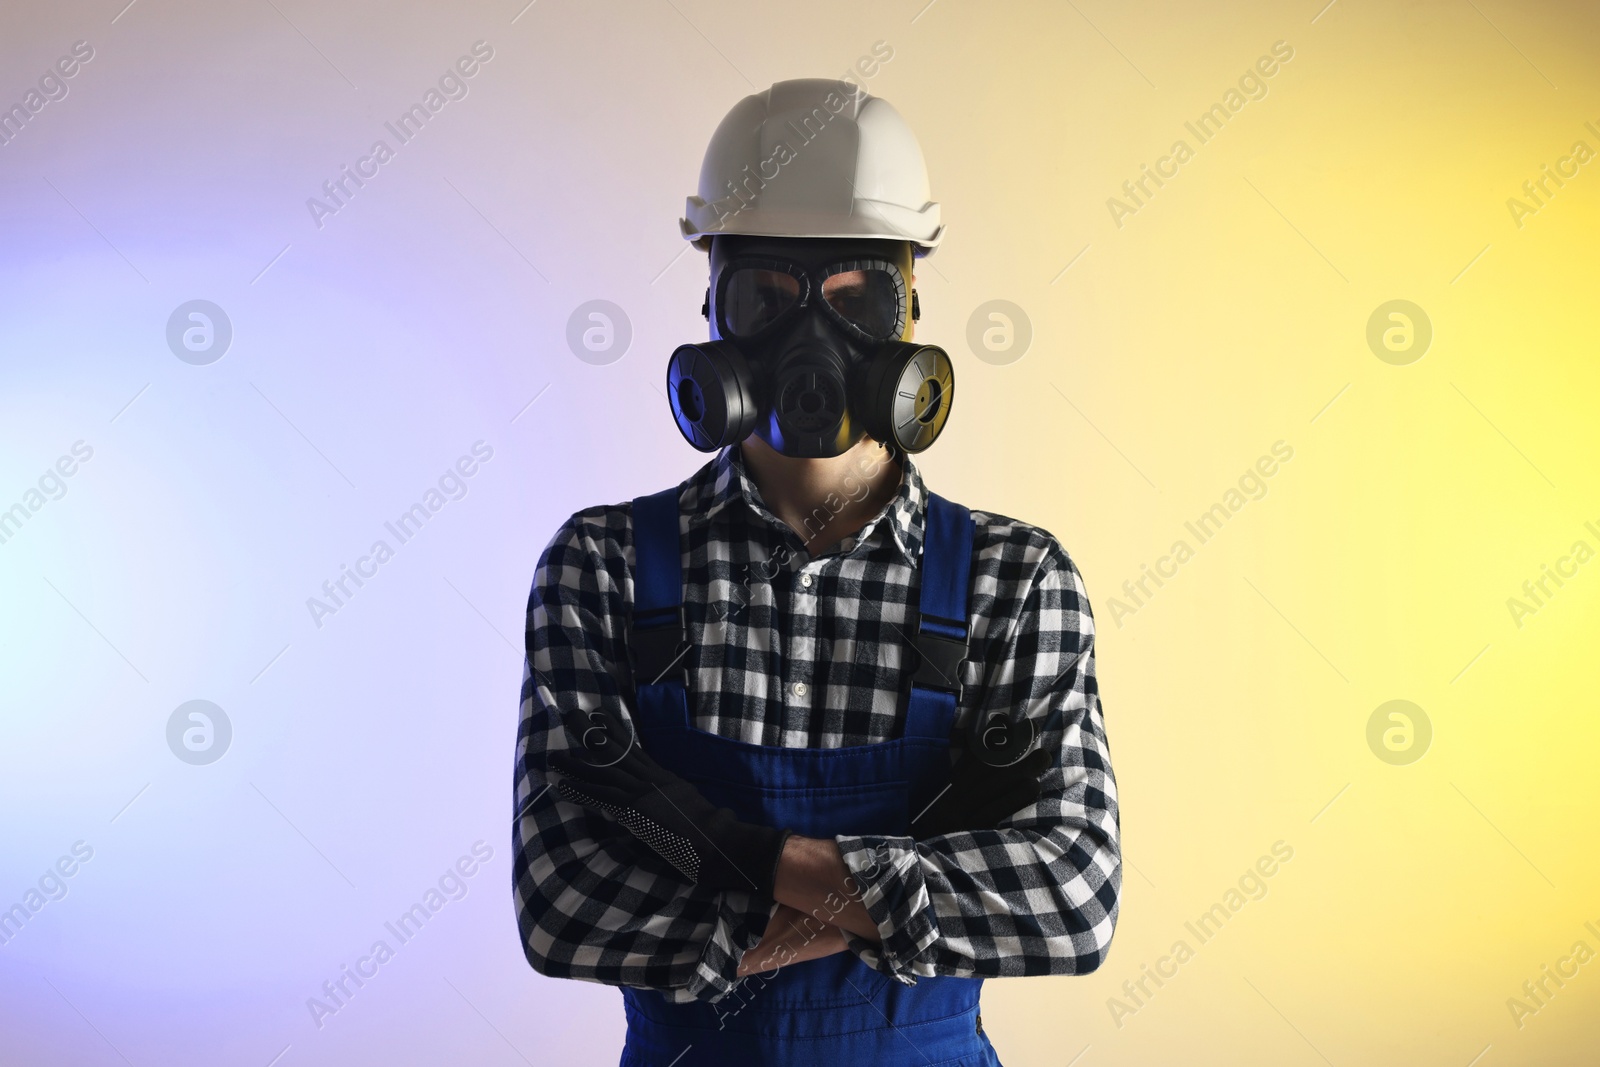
795	649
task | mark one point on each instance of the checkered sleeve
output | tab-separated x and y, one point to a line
590	905
1040	893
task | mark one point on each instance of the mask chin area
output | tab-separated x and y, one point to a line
809	415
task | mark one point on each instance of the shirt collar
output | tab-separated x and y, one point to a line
901	518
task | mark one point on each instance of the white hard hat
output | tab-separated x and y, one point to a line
814	157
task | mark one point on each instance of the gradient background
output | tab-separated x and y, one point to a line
1167	355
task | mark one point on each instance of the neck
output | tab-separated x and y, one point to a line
823	500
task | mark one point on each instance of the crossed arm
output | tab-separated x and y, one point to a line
812	882
1036	894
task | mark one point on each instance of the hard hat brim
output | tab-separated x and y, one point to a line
880	220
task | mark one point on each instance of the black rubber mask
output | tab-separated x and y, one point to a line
808	350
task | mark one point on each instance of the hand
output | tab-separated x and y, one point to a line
980	795
709	846
812	877
791	936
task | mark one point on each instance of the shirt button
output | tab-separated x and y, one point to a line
805	580
800	689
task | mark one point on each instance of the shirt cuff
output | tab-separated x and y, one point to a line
741	919
888	881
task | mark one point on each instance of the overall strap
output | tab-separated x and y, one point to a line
657	628
940	639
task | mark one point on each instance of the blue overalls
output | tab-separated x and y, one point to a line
834	1011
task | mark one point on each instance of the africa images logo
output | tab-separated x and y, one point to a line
452	86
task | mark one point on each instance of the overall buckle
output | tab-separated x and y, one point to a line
657	640
939	659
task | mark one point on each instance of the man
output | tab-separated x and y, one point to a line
807	751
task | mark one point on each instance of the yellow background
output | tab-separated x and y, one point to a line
1378	565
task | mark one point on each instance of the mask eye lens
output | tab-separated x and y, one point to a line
755	297
869	299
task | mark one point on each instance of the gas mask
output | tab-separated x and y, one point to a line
808	350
